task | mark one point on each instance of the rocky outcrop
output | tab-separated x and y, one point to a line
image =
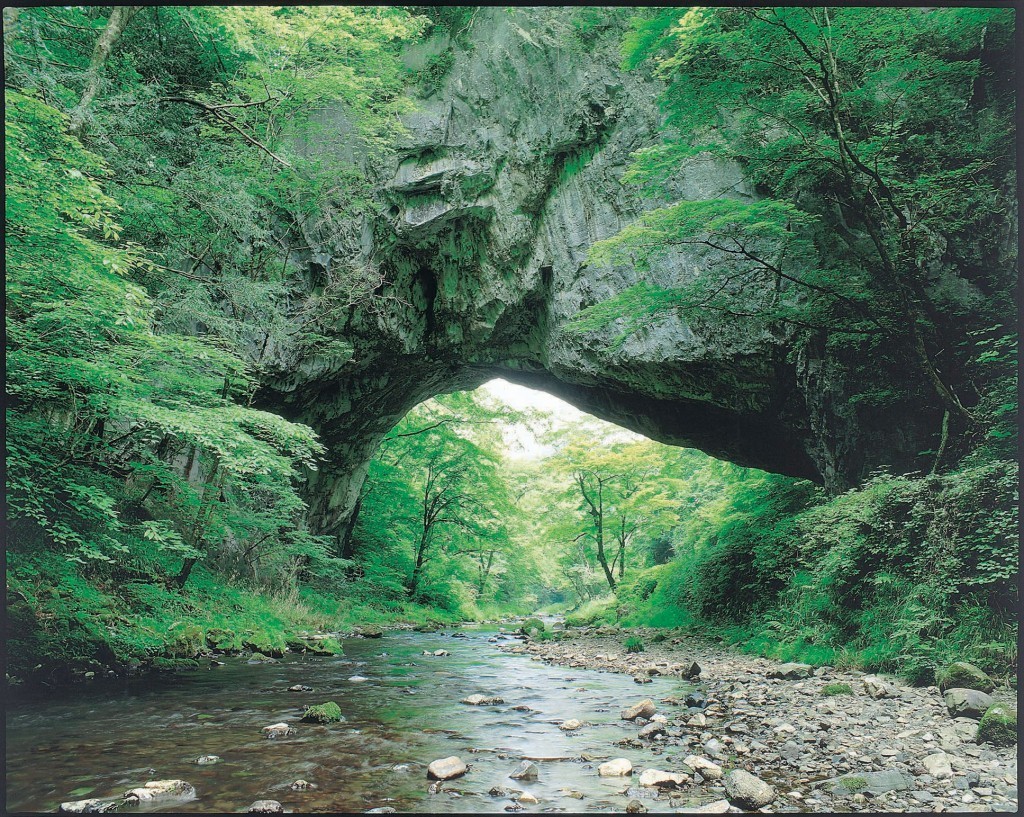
476	252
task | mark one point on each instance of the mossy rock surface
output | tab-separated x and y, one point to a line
998	726
830	690
328	712
223	640
174	664
961	675
532	626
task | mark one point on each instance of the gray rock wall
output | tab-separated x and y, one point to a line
481	239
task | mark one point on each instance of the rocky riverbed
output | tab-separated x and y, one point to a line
822	739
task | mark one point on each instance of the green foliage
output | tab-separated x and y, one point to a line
328	712
831	690
904	574
634	644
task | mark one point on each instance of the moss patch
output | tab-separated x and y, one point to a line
328	712
836	689
998	726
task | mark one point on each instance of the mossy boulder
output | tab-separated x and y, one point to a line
998	726
370	631
174	664
222	640
325	645
961	675
328	712
184	640
272	644
532	627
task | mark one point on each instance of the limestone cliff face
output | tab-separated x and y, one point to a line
507	174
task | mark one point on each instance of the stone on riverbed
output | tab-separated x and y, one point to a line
967	703
662	780
266	807
635	807
358	679
447	768
690	672
161	790
302	785
790	671
652	730
876	688
300	688
571	725
205	760
277	730
875	783
94	805
717	807
527	798
644	709
525	771
708	769
382	810
747	791
370	631
482	700
938	765
620	767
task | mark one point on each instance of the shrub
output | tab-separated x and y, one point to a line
634	644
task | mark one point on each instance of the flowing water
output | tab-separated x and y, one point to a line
99	741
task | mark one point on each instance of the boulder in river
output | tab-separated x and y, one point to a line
300	688
328	712
532	627
696	698
619	767
482	700
525	771
644	709
358	679
161	790
662	780
708	769
998	726
570	725
381	810
967	703
370	631
266	807
94	805
447	768
651	730
277	730
206	760
747	791
690	671
302	785
527	798
635	807
790	671
961	675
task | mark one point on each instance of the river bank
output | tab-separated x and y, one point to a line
825	739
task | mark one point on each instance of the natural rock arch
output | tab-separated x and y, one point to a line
507	175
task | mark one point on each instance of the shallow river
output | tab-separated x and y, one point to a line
98	742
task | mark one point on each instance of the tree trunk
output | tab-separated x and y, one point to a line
116	24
